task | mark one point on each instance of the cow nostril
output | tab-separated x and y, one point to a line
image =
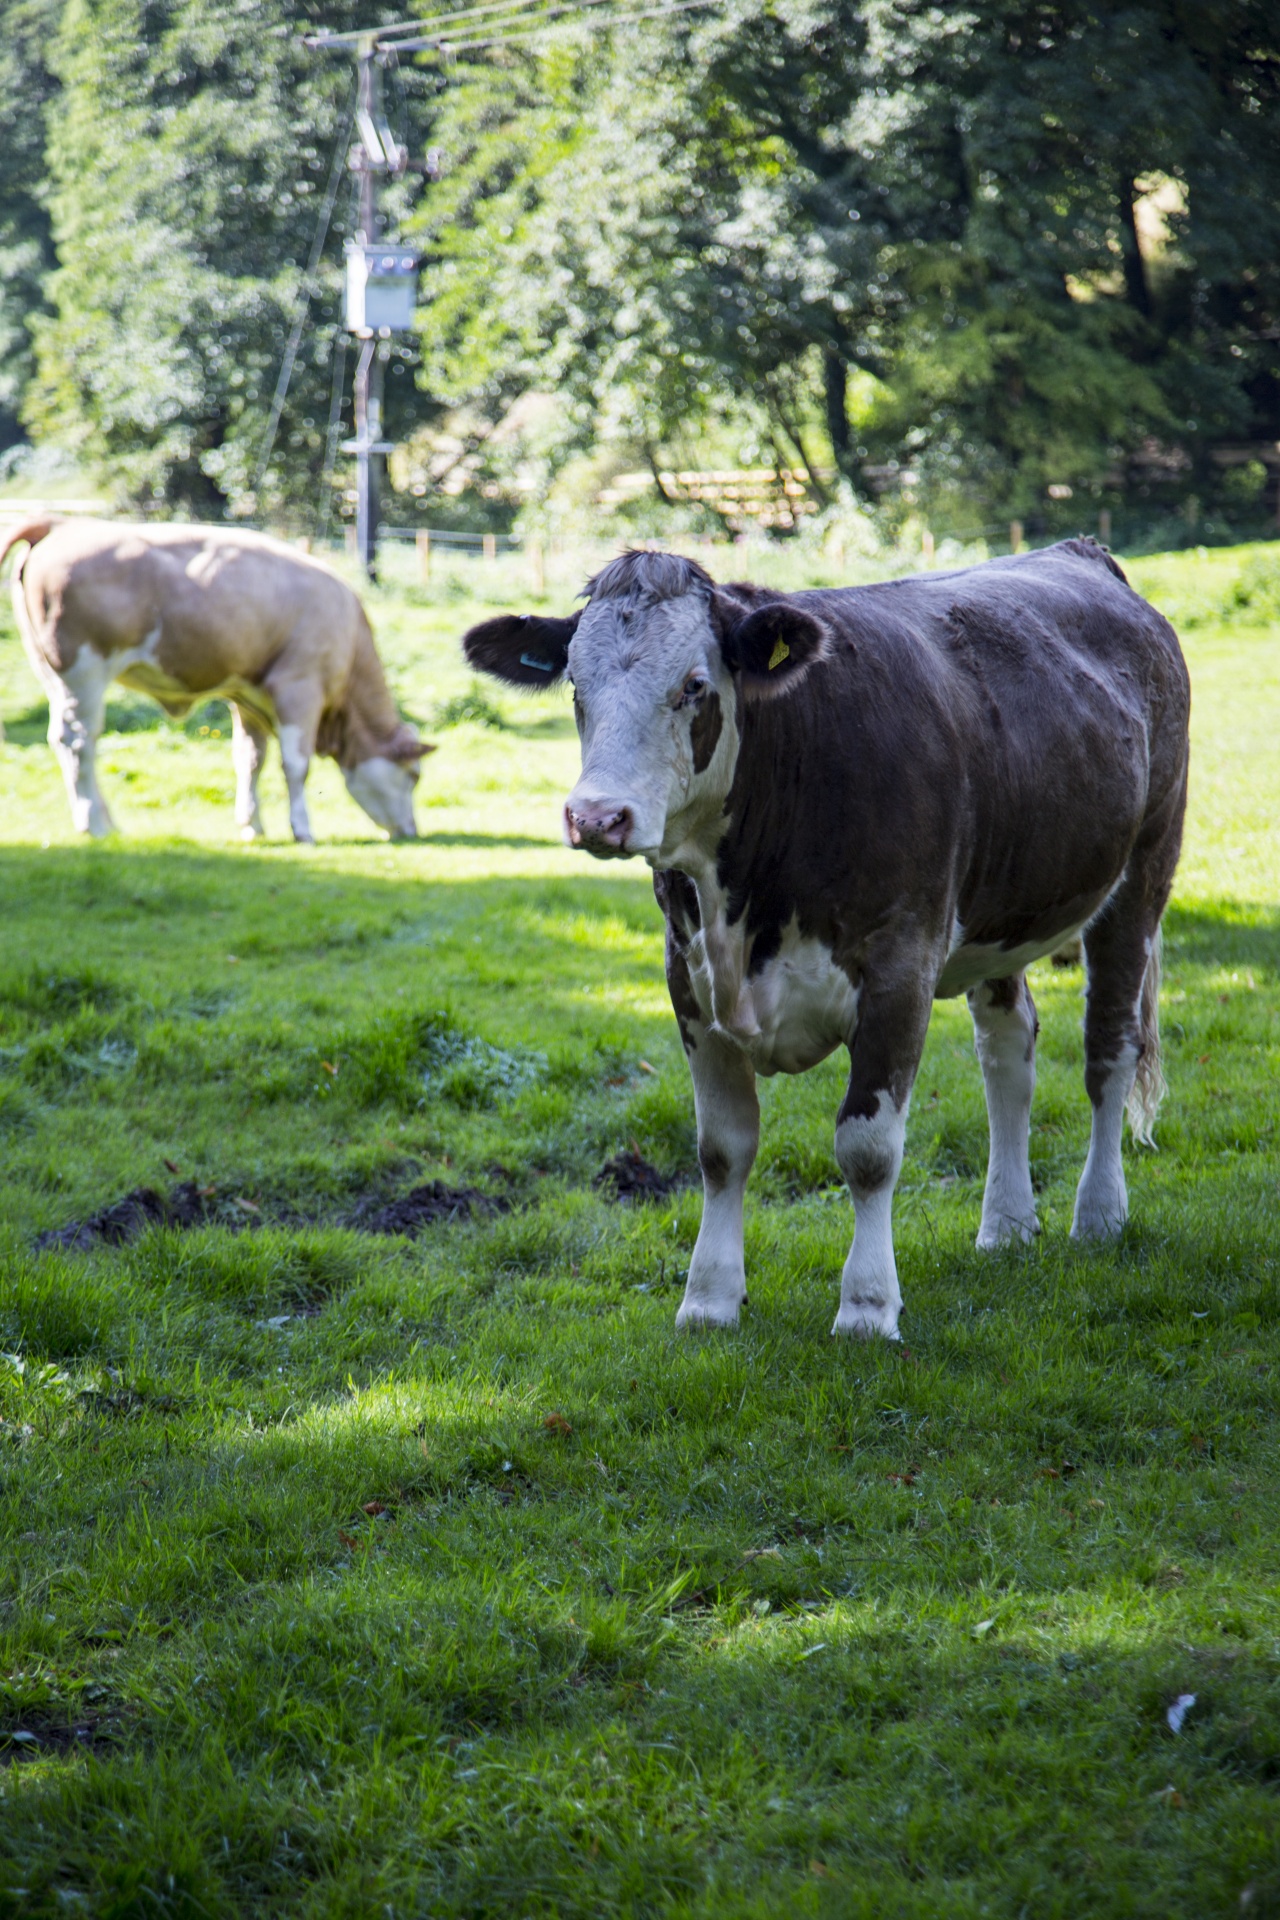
598	827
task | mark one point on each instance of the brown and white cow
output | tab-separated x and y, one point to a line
857	802
187	613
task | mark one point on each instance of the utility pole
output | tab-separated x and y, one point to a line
376	152
382	275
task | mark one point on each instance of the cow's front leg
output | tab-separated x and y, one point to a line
724	1092
248	751
1004	1035
870	1134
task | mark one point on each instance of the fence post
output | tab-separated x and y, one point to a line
490	546
422	541
1015	536
926	546
349	540
537	572
1104	526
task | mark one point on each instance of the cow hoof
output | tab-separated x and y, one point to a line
863	1320
1004	1232
1094	1228
708	1313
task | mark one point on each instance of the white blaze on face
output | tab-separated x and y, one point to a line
648	679
384	788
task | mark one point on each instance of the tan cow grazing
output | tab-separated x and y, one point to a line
190	613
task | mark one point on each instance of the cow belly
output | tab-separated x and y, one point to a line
145	676
967	966
796	1010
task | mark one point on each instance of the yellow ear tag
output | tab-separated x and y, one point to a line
781	652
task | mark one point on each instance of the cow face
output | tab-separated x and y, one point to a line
383	783
660	660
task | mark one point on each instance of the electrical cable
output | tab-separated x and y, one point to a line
596	25
522	16
302	298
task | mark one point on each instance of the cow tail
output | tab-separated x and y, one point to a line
1148	1085
32	531
29	531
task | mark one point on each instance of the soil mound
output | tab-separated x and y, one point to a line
629	1178
425	1206
126	1217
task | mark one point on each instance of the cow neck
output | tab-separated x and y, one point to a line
721	946
371	716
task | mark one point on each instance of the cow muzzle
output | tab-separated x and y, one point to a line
604	831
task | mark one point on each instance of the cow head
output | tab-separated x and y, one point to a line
661	660
382	781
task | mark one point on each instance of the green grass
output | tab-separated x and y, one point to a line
759	1624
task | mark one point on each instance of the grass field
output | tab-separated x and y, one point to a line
347	1575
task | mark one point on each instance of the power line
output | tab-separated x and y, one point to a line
302	298
597	24
517	19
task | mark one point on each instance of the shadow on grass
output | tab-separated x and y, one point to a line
31	729
484	840
1230	933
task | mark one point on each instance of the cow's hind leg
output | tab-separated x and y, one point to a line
1004	1033
1121	1034
724	1091
77	704
870	1135
249	740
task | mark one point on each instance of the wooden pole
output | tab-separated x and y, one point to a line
422	541
1015	536
1104	526
926	546
490	546
537	571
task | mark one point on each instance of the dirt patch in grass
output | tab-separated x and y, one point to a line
191	1206
425	1206
36	1738
629	1178
124	1219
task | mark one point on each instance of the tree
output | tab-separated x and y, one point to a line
188	156
1010	247
26	243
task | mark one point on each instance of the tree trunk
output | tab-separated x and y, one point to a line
835	380
1135	268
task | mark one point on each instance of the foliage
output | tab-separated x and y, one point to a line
188	154
348	1576
1000	261
999	252
26	248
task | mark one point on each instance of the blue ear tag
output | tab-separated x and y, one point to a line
540	666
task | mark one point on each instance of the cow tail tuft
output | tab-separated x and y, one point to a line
1149	1084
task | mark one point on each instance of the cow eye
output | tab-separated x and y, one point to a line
693	689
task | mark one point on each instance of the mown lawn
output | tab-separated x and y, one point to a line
354	1575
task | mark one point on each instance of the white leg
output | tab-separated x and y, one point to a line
1102	1199
295	754
77	701
248	751
1004	1036
869	1151
724	1090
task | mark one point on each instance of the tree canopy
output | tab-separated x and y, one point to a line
958	256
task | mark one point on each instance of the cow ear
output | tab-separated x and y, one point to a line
525	650
774	645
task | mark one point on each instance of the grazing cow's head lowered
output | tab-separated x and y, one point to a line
660	658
